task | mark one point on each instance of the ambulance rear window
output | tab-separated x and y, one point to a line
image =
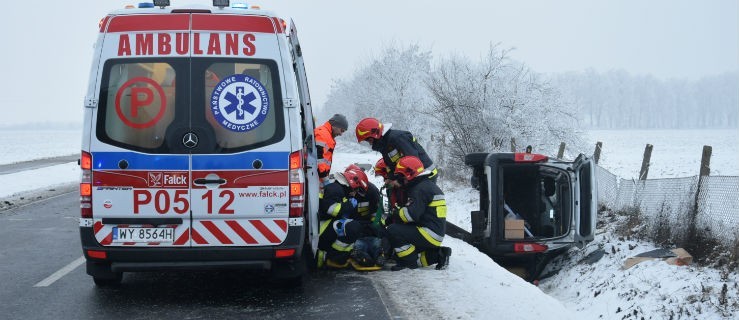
239	99
139	103
152	104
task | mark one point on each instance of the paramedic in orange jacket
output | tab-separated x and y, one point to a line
325	142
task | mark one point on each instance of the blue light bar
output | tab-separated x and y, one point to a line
239	6
146	5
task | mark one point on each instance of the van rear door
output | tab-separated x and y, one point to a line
586	200
190	145
140	173
311	173
240	189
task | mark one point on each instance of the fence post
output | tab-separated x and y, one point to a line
645	163
513	144
706	161
596	154
705	170
561	152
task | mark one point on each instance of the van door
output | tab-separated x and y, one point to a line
311	173
140	178
586	199
240	159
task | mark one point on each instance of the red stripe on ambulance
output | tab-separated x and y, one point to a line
183	238
197	237
216	232
157	22
224	22
241	232
265	231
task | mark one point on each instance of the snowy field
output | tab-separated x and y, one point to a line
22	145
474	287
676	153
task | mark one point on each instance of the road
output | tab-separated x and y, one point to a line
42	276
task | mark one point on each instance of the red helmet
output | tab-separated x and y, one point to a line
381	168
369	128
353	166
357	179
409	167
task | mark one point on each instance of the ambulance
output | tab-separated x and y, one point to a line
198	149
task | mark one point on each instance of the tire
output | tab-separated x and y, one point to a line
476	159
108	282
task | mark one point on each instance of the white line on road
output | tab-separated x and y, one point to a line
61	272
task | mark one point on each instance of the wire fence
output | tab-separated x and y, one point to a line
710	203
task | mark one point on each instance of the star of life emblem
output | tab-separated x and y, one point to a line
240	103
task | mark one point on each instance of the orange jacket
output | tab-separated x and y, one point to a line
325	143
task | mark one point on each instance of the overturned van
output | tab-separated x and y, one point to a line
197	149
532	204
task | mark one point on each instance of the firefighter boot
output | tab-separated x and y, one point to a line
444	254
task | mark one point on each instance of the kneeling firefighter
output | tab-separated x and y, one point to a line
420	225
338	231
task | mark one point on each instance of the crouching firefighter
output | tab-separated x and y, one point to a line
420	225
338	231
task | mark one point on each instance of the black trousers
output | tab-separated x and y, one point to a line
411	248
338	248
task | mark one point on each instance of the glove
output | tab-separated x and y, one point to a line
339	227
353	202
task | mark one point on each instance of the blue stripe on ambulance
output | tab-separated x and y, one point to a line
269	160
139	161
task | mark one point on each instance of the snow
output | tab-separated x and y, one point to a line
475	287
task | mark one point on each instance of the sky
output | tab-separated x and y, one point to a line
475	287
47	49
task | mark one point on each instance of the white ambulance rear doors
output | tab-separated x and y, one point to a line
190	146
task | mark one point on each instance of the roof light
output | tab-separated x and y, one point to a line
129	6
256	7
240	6
146	5
220	3
161	3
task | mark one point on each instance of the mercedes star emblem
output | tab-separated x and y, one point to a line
190	140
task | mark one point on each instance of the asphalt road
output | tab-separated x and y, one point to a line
42	276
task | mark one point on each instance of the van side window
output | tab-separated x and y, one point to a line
240	115
138	103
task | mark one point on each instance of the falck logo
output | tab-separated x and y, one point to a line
239	103
155	179
190	140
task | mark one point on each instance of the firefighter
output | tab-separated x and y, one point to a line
393	145
370	251
417	236
336	208
326	142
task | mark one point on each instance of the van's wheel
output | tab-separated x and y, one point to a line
107	281
476	159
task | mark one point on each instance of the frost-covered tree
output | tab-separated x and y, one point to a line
390	88
481	106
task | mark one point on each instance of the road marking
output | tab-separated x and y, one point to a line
61	272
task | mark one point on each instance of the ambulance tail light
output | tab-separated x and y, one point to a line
297	181
529	247
86	185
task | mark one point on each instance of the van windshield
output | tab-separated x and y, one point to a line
149	105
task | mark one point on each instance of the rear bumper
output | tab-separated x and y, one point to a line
193	258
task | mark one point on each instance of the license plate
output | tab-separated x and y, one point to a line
143	234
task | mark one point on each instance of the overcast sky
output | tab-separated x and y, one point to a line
47	45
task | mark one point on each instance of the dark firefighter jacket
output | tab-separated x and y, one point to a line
334	203
396	144
426	208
